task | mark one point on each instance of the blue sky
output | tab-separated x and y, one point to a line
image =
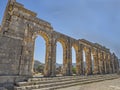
94	20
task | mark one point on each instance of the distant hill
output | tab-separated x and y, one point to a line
74	64
37	63
58	65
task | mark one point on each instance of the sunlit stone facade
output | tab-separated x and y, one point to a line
18	32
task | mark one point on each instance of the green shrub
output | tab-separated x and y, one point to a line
74	70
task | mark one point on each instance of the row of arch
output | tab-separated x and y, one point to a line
89	59
25	27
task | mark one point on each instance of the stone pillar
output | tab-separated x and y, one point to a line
116	64
69	58
100	58
113	63
105	62
77	63
96	64
48	60
88	61
53	72
99	61
65	65
79	60
109	63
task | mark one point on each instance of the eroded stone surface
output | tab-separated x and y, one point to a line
18	31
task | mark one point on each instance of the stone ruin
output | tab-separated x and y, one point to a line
18	32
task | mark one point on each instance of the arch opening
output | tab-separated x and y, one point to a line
39	55
59	58
84	62
92	62
74	61
63	61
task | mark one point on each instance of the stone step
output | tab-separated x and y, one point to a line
49	81
73	84
54	80
62	83
63	78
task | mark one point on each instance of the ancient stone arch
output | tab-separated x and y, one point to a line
18	31
76	48
96	63
46	37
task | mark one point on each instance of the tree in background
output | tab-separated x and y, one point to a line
74	70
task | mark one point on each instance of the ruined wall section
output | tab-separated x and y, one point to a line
17	28
10	48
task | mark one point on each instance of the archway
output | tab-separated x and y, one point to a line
84	62
92	62
39	55
74	61
62	44
59	58
41	40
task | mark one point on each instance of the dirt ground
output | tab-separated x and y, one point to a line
104	85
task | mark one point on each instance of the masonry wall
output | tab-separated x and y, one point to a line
10	51
19	29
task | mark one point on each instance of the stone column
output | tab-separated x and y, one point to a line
67	62
113	63
109	64
96	64
53	72
79	60
69	58
100	58
26	59
116	64
88	61
105	62
65	65
48	60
